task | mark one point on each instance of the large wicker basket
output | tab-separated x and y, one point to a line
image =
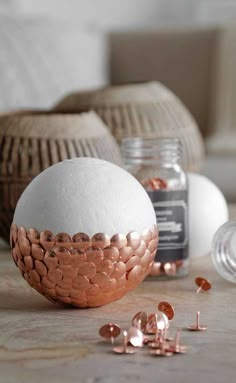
30	142
144	110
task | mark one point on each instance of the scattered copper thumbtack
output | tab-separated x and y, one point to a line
151	325
158	321
110	331
167	309
162	323
135	337
124	348
203	284
162	351
169	268
140	320
197	326
176	348
159	341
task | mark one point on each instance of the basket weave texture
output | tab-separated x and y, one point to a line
31	142
142	110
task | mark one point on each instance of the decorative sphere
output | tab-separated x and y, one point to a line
84	232
207	212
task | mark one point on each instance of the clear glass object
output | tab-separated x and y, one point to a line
156	163
224	251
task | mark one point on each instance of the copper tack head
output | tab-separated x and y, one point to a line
203	284
124	348
110	331
156	322
167	309
140	320
169	268
197	326
135	337
151	326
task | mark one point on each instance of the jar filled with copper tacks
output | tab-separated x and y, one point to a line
156	163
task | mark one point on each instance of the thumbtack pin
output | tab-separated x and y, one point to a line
176	348
110	331
197	326
203	284
161	323
124	348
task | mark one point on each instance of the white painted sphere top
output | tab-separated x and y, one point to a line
85	195
207	212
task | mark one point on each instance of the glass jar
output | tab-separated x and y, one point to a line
156	164
224	251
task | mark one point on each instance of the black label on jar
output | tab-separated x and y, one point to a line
172	220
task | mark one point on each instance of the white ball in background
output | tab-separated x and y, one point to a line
207	212
85	195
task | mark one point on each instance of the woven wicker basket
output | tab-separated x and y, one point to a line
144	110
30	142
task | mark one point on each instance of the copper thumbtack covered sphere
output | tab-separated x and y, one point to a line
80	237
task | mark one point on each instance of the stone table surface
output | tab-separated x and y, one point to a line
42	342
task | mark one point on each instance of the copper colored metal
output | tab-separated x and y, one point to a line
167	309
159	352
148	339
124	348
162	351
165	268
140	320
162	324
83	271
176	348
169	268
135	337
154	184
151	326
159	340
179	263
156	322
163	321
203	284
156	269
110	331
197	326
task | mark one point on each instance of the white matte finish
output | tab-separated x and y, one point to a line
85	195
207	212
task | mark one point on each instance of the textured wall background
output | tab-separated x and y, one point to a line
37	75
110	14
